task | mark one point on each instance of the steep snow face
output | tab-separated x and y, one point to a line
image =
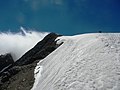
83	62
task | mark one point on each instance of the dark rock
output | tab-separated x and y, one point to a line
12	71
22	80
22	71
5	60
40	51
100	31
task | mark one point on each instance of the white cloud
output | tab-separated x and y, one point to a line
19	43
57	2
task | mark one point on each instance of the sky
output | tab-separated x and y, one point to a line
67	17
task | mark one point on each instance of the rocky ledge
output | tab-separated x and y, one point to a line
19	75
5	61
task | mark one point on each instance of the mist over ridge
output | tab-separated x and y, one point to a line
19	43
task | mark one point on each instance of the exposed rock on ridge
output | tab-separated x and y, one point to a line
5	60
40	51
23	68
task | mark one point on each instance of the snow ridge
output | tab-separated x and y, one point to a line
82	62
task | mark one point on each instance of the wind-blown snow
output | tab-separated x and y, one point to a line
19	43
83	62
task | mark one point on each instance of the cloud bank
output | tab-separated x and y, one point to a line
19	43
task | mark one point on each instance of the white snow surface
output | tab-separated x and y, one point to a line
82	62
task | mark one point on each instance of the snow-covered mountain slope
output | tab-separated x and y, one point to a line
82	62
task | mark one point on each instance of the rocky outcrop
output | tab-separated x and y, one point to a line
22	80
24	67
5	60
40	51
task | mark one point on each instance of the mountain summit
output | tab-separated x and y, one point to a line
82	62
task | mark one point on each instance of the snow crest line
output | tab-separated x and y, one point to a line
82	62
